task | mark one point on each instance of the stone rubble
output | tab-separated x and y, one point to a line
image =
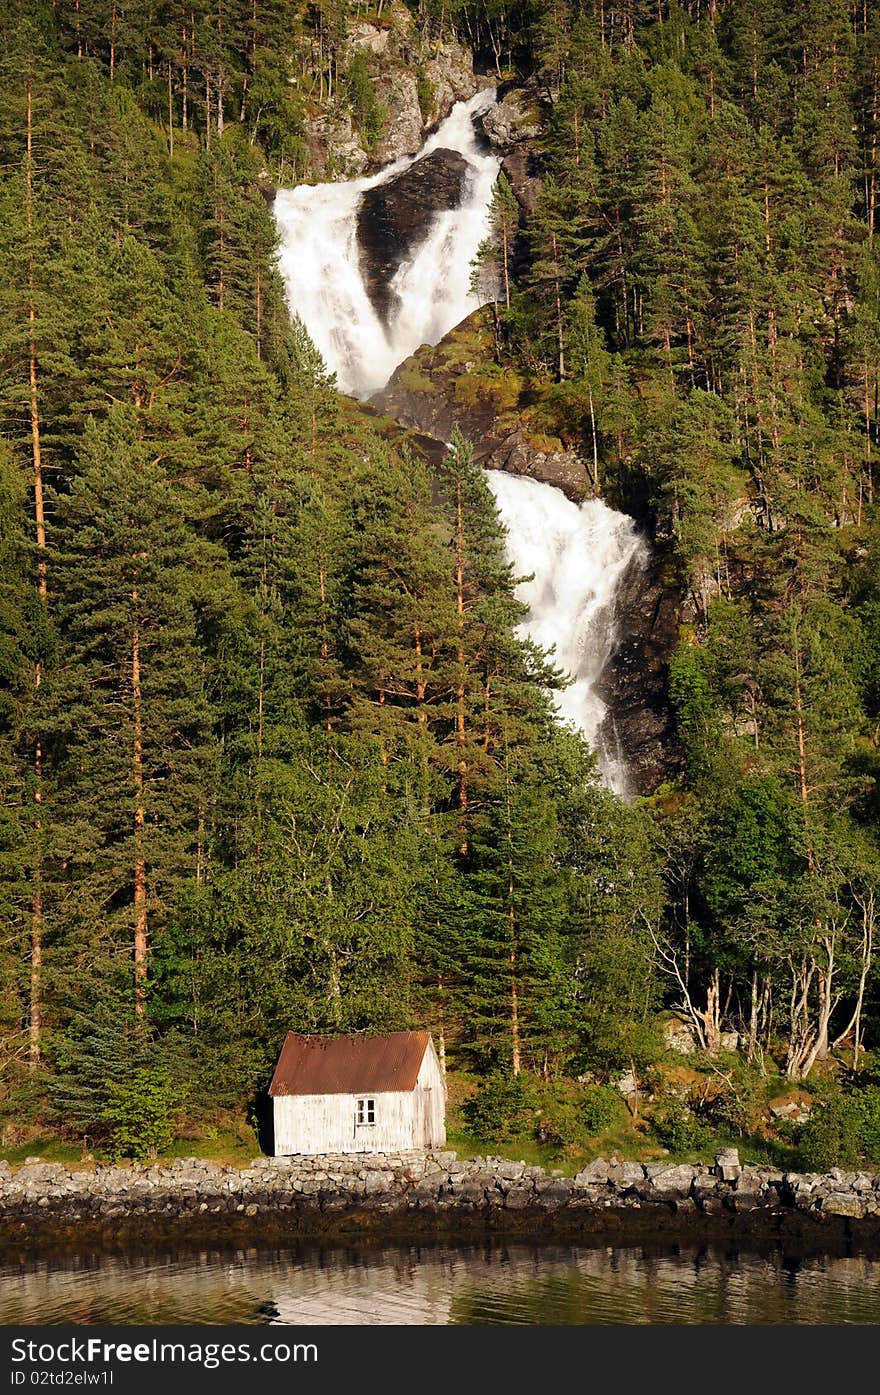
425	1185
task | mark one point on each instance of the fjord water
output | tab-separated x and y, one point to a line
491	1284
578	553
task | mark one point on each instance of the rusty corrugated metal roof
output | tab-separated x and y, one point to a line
348	1065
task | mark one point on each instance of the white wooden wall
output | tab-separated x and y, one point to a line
429	1103
328	1123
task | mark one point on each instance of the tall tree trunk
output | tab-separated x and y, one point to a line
560	338
35	1022
170	113
865	903
140	865
505	255
595	473
258	851
460	732
514	1016
258	310
221	260
184	111
515	1042
325	642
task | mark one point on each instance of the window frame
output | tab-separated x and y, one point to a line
365	1112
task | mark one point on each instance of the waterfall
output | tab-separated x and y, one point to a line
319	262
578	553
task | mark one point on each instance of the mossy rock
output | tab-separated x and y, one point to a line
411	380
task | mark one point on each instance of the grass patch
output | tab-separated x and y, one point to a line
47	1149
231	1144
230	1149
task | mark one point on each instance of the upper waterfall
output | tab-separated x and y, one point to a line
321	264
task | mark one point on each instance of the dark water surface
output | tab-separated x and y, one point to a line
497	1283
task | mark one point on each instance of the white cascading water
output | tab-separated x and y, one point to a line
319	262
578	553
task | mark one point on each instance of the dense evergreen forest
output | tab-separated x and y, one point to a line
272	754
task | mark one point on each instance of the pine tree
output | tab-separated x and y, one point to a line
130	726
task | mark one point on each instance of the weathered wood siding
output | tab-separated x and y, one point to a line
429	1103
328	1123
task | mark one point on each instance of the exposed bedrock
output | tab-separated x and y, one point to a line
635	682
394	218
446	385
514	127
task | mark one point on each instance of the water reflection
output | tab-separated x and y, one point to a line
445	1284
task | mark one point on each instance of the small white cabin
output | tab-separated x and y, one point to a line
358	1094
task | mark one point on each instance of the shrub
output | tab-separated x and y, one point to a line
602	1108
843	1130
425	93
367	110
141	1114
558	1122
679	1129
870	1130
730	1110
618	1044
501	1109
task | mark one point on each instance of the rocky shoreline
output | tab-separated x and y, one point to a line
409	1196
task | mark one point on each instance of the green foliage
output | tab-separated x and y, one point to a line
679	1129
367	110
426	93
502	1109
141	1114
600	1108
843	1130
690	691
272	752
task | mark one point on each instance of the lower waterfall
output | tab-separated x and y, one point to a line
578	553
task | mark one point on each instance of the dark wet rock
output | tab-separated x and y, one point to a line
524	170
635	682
515	453
513	128
340	1196
394	218
266	187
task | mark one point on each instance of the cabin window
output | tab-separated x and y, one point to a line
366	1111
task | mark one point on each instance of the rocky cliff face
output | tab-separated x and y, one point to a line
453	384
394	217
513	128
416	83
635	683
